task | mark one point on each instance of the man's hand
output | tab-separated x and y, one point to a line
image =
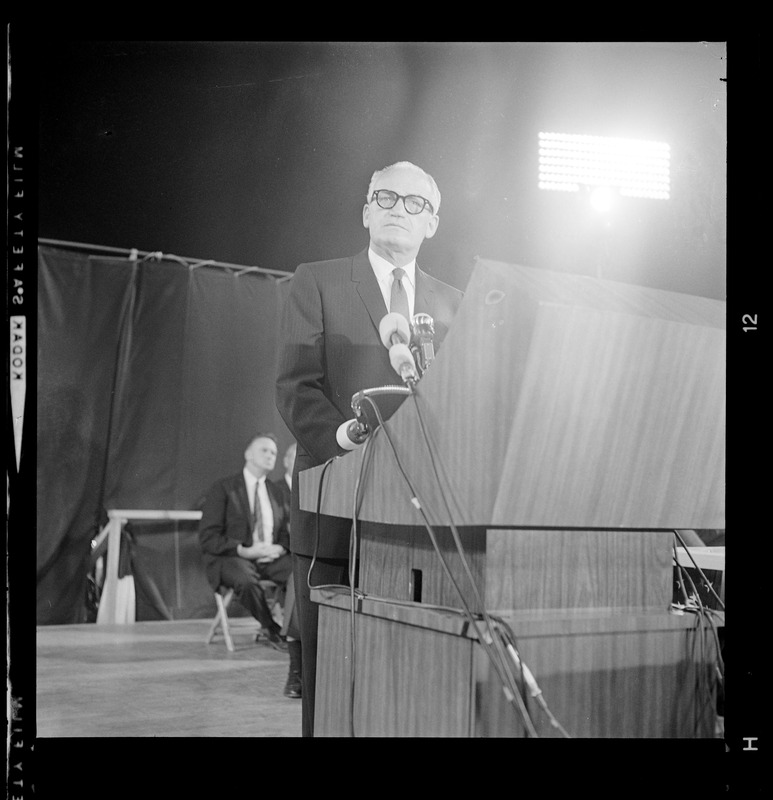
262	552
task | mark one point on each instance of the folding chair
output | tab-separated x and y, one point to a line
221	624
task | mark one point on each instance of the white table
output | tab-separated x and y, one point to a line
117	604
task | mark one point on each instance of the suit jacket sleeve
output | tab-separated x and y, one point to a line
301	376
216	536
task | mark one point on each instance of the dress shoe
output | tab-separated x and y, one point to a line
293	685
275	640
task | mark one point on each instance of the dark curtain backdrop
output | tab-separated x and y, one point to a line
152	375
82	306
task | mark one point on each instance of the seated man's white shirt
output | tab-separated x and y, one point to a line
266	510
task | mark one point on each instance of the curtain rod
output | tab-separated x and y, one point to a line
134	254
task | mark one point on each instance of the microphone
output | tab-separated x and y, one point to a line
423	327
394	329
357	431
401	359
395	334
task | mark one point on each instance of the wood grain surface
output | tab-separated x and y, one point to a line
603	673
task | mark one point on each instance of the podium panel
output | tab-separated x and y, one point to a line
551	569
519	569
401	562
420	672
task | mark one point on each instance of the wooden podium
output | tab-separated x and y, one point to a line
567	426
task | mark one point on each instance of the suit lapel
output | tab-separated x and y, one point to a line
424	302
367	287
243	499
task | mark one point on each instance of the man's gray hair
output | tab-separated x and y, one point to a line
261	435
435	199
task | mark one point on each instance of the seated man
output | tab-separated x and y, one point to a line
244	535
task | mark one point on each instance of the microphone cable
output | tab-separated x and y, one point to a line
706	581
506	632
325	468
318	513
703	610
353	555
487	639
703	616
511	645
353	548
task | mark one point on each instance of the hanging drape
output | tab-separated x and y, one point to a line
151	377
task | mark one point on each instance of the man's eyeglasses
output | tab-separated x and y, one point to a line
414	203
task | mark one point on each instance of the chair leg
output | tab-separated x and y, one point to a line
224	621
220	623
213	628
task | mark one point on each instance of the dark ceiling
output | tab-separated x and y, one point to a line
260	153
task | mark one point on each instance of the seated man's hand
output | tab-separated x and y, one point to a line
261	552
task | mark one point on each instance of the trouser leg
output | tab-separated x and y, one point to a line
295	650
278	571
243	578
326	571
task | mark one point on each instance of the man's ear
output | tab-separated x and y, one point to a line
366	215
432	226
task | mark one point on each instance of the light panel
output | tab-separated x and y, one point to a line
636	168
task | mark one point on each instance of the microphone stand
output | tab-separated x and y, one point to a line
358	397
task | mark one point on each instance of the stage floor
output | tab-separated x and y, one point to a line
160	679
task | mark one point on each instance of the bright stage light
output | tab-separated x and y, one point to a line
602	198
634	167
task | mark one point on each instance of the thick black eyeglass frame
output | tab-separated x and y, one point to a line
426	203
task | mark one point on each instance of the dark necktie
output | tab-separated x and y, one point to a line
257	518
399	299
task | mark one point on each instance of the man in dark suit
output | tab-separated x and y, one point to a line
244	534
330	348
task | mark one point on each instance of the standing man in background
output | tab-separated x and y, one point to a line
330	348
285	483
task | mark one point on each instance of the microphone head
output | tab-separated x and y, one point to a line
422	324
394	324
401	359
